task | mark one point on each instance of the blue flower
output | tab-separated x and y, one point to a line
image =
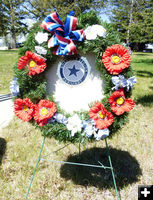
14	87
60	118
51	120
132	80
120	82
89	128
101	134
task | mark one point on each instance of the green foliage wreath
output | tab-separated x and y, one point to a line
34	87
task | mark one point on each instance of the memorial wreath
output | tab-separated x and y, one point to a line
73	80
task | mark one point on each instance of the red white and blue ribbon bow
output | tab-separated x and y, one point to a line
63	34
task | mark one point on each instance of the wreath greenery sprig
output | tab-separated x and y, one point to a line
53	121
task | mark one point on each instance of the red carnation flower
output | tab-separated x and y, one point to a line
36	64
119	104
24	109
44	110
116	58
101	116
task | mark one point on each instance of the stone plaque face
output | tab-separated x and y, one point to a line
75	83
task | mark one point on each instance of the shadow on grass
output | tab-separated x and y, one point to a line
144	73
146	100
142	54
126	168
2	148
148	60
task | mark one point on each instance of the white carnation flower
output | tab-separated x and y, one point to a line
74	124
40	50
41	37
91	32
101	31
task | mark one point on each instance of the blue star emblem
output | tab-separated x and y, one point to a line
73	71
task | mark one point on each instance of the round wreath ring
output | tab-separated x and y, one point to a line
112	61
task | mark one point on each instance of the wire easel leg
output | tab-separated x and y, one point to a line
72	163
35	168
110	162
79	146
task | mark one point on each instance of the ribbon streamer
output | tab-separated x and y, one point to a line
63	34
121	82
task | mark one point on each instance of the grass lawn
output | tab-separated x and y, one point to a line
7	61
131	151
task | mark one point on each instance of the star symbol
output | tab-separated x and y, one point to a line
73	71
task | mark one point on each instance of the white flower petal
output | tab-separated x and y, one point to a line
41	37
41	50
69	126
74	124
101	31
91	36
73	132
91	32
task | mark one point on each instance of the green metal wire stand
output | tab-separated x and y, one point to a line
73	163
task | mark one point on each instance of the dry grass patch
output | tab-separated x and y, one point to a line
131	152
